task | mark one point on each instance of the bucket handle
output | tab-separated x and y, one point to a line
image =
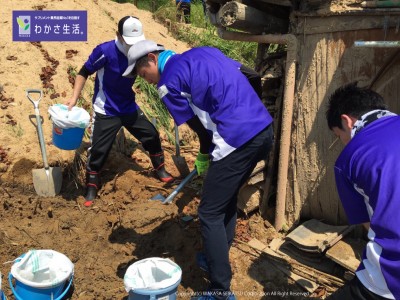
10	278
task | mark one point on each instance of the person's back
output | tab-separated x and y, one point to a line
226	105
370	179
367	180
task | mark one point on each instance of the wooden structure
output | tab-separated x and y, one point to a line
325	44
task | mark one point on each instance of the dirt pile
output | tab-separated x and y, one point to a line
123	226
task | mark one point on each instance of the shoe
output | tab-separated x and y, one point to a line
157	160
91	193
164	176
202	261
92	186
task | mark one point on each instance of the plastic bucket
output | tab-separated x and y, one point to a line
161	278
25	292
67	138
161	294
2	296
68	125
33	289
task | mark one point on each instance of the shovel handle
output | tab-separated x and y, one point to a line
34	91
38	122
178	152
179	187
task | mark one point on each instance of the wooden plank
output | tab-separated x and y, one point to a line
313	25
347	253
305	283
278	2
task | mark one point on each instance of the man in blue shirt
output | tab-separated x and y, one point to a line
183	9
114	104
368	181
207	90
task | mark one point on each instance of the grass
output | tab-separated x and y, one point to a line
16	130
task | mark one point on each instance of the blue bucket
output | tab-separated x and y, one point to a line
153	278
25	292
67	138
2	296
34	288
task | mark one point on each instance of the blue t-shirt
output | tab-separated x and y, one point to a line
206	83
113	94
368	181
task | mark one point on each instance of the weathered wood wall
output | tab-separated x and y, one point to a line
327	61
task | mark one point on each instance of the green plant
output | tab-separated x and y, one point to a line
17	130
87	92
153	107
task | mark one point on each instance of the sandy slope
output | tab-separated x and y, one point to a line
22	63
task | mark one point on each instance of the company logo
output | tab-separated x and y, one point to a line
24	25
49	25
58	130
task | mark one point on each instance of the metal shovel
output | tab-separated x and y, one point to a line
179	161
176	190
48	180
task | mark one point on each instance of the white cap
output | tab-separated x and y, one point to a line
131	29
139	50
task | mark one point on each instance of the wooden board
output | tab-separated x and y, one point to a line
347	253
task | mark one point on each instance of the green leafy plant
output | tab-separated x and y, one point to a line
153	107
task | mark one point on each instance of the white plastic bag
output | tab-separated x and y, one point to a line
64	118
152	274
42	268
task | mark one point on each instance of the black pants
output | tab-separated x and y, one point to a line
354	290
217	210
105	130
183	8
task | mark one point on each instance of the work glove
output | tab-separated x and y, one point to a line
202	162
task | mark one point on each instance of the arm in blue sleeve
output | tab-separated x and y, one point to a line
353	201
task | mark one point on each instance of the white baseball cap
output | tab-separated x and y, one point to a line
131	29
139	50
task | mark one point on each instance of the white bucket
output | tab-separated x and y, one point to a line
152	278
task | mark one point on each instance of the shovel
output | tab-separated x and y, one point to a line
46	181
179	161
176	190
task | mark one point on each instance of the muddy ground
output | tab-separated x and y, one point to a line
123	226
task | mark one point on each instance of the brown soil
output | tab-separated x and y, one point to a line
123	226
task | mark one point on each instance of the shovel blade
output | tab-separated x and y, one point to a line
158	197
181	165
47	183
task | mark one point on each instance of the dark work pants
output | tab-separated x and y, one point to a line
105	130
217	210
183	8
354	290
